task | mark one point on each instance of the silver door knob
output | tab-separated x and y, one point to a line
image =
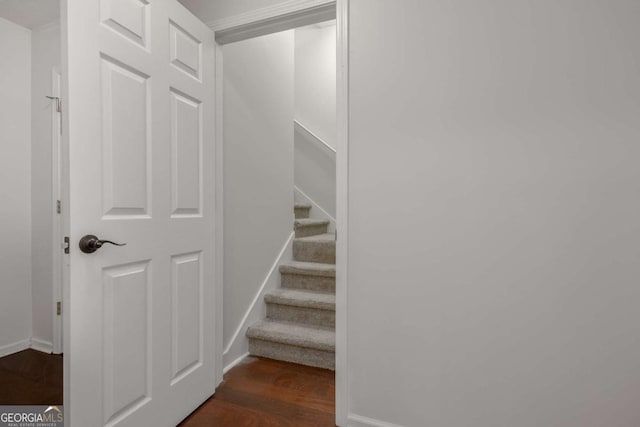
90	243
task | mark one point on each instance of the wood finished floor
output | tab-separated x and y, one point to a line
31	377
268	393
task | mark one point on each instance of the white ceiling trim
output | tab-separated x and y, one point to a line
286	15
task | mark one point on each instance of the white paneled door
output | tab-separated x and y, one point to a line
141	348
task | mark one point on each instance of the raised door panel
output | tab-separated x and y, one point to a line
186	161
126	340
126	140
186	314
185	51
129	18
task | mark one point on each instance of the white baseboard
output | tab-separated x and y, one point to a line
360	421
238	346
41	345
316	211
15	347
234	363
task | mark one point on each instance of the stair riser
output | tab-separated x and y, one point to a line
293	354
301	315
311	230
309	283
324	252
301	213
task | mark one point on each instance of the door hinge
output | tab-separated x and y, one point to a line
58	206
57	99
59	308
66	244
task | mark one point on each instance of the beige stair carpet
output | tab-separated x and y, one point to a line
300	323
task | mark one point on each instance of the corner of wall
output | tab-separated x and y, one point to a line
41	345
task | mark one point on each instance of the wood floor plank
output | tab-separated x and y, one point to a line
263	393
31	377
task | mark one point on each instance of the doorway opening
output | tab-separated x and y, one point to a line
280	174
31	257
279	128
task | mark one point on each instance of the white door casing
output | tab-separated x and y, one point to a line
59	262
141	329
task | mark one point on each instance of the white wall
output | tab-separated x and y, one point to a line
15	187
258	167
315	109
315	80
45	55
497	285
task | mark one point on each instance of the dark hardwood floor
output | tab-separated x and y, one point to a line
268	393
31	377
258	392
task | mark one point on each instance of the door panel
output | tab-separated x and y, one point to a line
186	149
185	51
142	329
129	18
126	140
186	315
126	338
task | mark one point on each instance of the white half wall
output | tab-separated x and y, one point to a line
45	55
494	213
15	187
258	166
315	170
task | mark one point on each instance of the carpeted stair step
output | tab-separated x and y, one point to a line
311	346
301	210
311	276
310	227
320	248
301	307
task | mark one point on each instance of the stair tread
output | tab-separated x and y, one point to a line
302	298
325	237
293	334
308	268
308	222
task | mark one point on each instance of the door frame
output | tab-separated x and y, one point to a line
269	20
57	193
65	217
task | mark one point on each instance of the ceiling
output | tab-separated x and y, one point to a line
30	13
214	10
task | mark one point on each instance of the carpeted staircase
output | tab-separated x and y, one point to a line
300	323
